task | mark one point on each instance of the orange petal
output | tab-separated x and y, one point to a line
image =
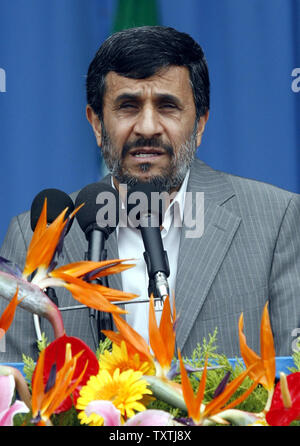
267	348
250	357
88	294
116	338
113	295
92	300
40	253
157	343
132	338
79	269
45	240
72	215
38	385
9	312
114	269
242	397
41	226
62	388
167	331
193	403
201	388
217	403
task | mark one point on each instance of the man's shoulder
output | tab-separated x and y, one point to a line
248	189
260	193
23	221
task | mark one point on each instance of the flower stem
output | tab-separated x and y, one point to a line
269	400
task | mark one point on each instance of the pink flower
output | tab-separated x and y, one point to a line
112	416
7	412
151	417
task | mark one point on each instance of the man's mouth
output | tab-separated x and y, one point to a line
145	155
141	153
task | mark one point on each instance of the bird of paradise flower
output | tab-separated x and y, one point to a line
163	352
200	412
264	366
44	249
47	398
160	359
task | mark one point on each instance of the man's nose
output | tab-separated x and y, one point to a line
148	123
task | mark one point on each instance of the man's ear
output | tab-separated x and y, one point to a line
95	123
201	127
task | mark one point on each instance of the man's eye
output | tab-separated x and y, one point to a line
128	105
168	105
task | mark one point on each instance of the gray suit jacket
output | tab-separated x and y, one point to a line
248	254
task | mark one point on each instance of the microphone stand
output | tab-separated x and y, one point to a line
103	319
158	283
36	319
157	262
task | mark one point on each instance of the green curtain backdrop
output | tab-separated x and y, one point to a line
133	13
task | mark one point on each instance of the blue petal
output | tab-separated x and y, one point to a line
96	271
222	385
10	267
175	370
51	378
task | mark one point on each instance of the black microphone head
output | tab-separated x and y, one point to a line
57	201
149	199
100	210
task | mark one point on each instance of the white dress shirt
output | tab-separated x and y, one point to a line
135	280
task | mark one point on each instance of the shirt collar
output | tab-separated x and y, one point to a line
173	212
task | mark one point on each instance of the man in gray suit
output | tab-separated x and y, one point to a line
148	103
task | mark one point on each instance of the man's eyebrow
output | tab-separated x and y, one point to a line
158	97
169	98
127	97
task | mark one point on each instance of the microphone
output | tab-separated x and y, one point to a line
57	201
98	218
148	220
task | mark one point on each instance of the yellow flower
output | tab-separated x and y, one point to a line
123	389
119	358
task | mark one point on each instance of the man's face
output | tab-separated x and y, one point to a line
149	127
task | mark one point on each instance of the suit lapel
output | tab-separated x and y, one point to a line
201	258
115	280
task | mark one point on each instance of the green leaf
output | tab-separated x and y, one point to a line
29	366
43	343
103	345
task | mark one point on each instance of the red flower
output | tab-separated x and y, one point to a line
55	360
285	406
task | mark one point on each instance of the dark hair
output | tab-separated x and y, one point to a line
139	53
